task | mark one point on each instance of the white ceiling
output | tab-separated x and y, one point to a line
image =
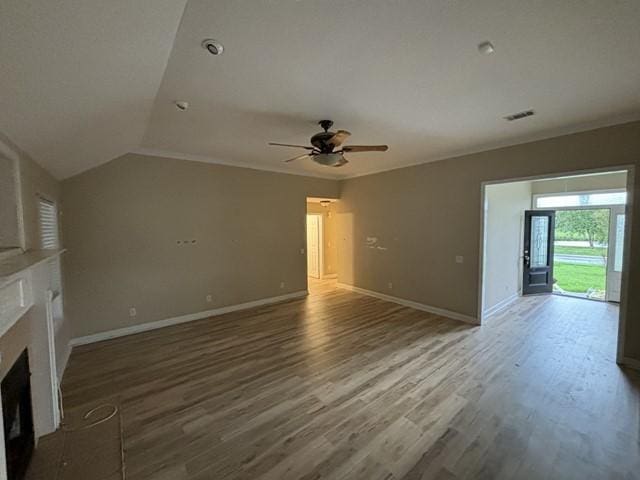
78	78
405	73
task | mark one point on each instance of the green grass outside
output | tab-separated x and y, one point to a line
579	278
589	251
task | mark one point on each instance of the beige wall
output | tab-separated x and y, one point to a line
9	230
423	216
329	235
504	214
610	181
121	225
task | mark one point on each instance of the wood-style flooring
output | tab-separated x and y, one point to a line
344	386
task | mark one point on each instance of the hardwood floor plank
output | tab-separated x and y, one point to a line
344	386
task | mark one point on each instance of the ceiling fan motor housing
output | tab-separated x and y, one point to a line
321	141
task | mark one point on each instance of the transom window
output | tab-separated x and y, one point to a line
581	199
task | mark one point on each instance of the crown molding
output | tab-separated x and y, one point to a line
154	152
523	140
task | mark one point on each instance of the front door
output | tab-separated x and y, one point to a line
313	246
614	254
538	251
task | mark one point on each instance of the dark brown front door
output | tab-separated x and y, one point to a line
538	251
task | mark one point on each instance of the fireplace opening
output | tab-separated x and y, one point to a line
17	415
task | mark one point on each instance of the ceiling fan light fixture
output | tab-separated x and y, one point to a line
330	159
486	48
325	203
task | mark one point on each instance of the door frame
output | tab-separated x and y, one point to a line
624	287
614	210
591	207
527	254
320	243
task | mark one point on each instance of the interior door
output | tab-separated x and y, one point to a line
313	246
614	254
538	251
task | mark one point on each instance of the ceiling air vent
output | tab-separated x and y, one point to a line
519	115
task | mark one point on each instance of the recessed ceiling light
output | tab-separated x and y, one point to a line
212	46
182	105
486	48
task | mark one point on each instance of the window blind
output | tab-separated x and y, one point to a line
48	224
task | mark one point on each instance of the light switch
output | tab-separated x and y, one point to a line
459	259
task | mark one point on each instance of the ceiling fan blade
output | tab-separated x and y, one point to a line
339	138
299	157
365	148
289	145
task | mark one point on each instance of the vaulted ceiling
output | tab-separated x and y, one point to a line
84	82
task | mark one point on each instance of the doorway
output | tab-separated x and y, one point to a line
554	238
314	245
586	240
321	234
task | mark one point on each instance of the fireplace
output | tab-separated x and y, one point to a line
18	417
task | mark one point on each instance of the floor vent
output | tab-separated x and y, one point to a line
519	115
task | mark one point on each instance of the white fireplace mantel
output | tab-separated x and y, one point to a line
25	286
16	293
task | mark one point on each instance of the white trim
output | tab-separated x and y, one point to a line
626	263
53	367
508	143
62	366
154	152
631	363
144	327
536	196
330	276
501	305
483	246
409	303
320	244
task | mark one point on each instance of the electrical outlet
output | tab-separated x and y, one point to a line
302	251
209	299
281	284
390	285
459	259
133	312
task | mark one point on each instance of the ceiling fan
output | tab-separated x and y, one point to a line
327	147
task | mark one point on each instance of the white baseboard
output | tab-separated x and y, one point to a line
631	363
501	305
330	275
144	327
409	303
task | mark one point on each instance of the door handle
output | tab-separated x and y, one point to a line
526	260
